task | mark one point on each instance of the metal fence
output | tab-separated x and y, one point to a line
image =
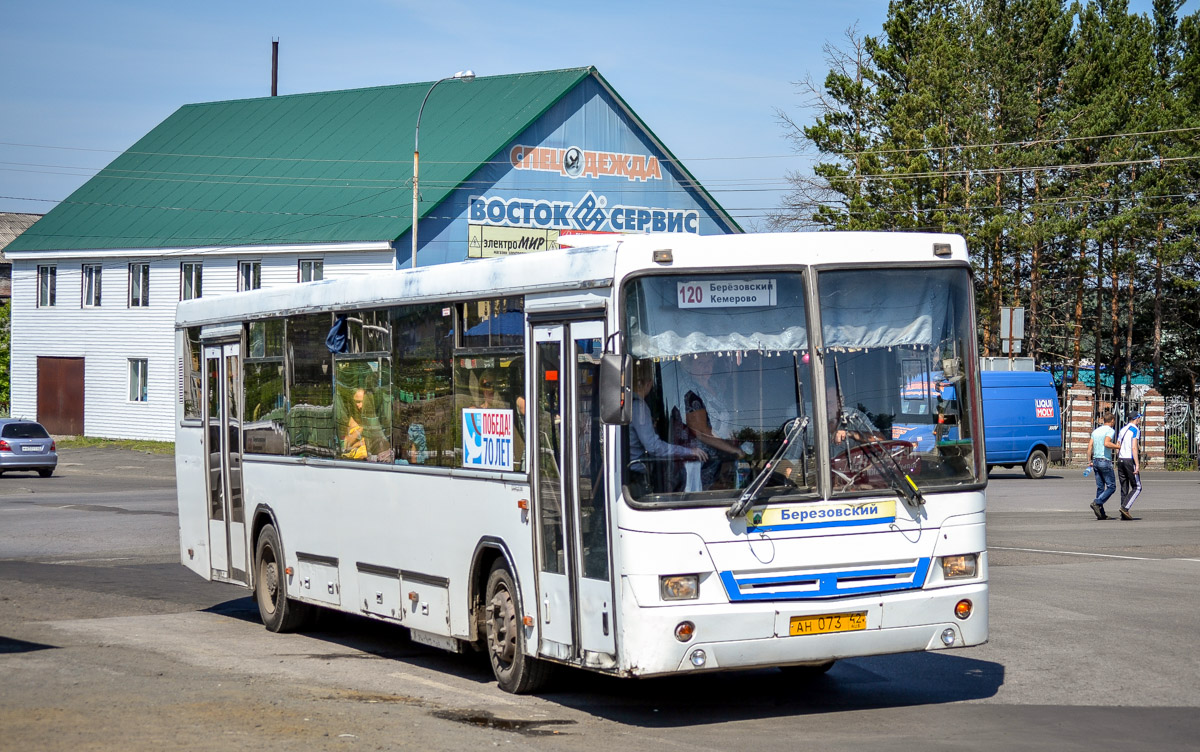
1181	432
1181	438
1124	410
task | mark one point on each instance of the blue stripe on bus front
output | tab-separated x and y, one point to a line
823	523
827	583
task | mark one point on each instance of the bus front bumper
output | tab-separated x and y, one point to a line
735	636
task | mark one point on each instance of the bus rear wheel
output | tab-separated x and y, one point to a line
279	613
515	670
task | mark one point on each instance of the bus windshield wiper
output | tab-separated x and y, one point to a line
900	481
748	497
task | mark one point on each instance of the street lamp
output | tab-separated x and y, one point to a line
466	76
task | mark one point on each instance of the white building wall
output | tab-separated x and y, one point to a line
107	337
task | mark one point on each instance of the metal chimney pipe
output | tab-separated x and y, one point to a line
274	67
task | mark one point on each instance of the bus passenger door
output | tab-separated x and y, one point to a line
592	571
575	596
223	463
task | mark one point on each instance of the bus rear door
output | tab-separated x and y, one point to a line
223	463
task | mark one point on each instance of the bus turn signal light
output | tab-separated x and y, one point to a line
684	631
962	609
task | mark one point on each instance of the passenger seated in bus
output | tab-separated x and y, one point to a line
418	447
487	392
710	421
645	445
363	437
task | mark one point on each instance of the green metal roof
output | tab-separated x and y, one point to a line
329	167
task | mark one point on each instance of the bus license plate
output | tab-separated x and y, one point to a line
827	623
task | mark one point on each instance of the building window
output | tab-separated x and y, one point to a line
190	271
46	286
139	285
91	285
249	275
311	270
137	380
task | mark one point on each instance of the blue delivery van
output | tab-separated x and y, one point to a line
1022	423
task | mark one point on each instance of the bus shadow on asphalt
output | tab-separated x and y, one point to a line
371	638
11	645
890	681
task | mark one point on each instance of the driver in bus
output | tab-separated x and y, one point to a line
709	419
850	423
645	443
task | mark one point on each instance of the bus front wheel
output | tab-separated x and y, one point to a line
279	614
515	670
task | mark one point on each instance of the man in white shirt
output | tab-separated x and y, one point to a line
1129	465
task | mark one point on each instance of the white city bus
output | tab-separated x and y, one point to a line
668	454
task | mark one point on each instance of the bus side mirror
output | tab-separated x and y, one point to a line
616	394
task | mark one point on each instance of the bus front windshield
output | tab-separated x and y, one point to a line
721	369
723	385
897	363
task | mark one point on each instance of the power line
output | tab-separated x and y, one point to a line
725	185
1024	143
664	158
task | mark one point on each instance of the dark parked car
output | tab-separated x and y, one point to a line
25	445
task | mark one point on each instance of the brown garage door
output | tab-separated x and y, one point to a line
60	395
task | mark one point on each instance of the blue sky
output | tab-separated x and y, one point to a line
84	79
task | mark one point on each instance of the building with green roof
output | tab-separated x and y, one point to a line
226	196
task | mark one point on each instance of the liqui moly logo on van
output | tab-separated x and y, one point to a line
1044	408
487	439
591	212
573	162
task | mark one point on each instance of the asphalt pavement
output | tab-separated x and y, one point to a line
107	642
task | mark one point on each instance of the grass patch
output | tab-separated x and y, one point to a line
136	445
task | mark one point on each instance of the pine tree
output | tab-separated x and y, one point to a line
1063	141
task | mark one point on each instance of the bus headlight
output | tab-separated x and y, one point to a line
680	587
959	567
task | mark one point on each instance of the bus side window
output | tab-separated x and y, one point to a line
489	364
495	382
364	422
424	430
311	428
363	387
264	427
192	376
